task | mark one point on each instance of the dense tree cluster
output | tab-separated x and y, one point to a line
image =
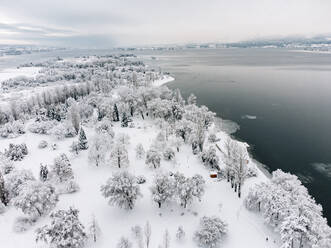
286	204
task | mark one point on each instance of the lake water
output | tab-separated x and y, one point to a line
280	98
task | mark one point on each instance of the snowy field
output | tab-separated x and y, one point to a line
16	72
245	228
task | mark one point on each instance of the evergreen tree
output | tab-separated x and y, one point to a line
116	116
82	140
125	120
3	193
43	174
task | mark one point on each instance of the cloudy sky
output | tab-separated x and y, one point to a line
106	23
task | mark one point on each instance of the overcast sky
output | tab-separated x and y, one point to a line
106	23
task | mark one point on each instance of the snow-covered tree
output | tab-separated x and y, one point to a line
153	158
61	168
183	129
82	140
192	99
169	154
36	198
137	232
119	155
98	149
211	231
210	159
140	151
116	116
240	169
176	142
6	165
65	230
188	188
166	239
124	243
122	190
94	230
15	180
73	116
43	173
180	234
105	127
162	189
147	233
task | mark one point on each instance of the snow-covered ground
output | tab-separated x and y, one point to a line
16	72
246	229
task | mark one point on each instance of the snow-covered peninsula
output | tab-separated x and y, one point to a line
105	155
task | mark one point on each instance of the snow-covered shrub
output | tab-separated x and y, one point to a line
169	154
63	130
61	169
141	179
252	172
82	140
125	120
140	151
210	159
180	234
15	180
124	243
123	138
65	230
36	198
105	127
153	158
211	231
162	189
41	127
12	129
42	144
16	152
23	224
122	190
68	187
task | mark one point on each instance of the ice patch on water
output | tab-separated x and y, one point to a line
227	126
249	117
323	168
